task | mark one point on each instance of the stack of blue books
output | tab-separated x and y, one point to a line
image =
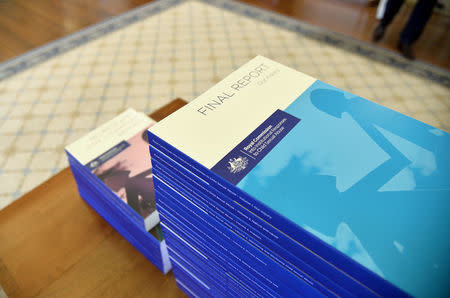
113	172
273	183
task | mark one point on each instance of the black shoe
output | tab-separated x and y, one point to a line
378	33
406	50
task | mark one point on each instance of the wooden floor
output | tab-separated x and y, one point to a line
26	24
355	18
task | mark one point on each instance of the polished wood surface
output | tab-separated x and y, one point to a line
356	18
26	24
53	244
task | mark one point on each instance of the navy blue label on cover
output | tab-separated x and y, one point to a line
245	156
107	155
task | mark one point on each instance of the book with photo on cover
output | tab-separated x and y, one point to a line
117	154
128	173
113	172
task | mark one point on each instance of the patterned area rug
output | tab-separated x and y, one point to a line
167	49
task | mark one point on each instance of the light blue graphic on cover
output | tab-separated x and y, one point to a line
371	182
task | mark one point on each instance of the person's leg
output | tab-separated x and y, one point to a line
417	21
414	28
392	8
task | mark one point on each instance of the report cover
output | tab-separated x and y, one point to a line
368	181
117	154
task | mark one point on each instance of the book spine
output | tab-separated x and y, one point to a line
194	285
269	267
201	249
216	274
291	262
213	289
214	259
322	250
98	196
213	277
228	243
252	224
130	212
141	240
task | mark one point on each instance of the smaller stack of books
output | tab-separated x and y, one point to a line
113	172
273	183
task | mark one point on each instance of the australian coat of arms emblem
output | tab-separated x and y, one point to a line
235	165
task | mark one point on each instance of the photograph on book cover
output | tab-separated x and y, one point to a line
128	174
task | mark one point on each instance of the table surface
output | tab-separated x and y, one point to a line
53	244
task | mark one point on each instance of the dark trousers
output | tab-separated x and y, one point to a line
417	20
